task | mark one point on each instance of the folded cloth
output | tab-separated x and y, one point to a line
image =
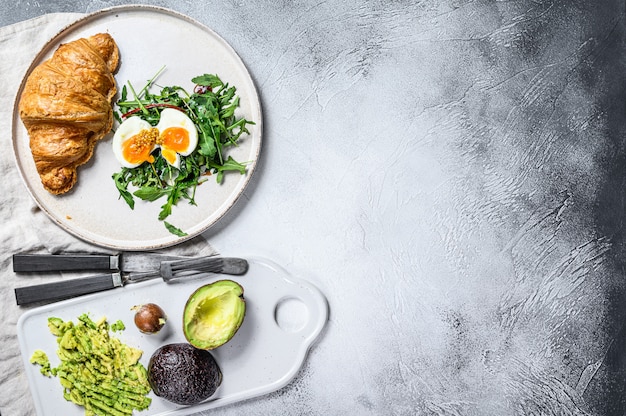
25	227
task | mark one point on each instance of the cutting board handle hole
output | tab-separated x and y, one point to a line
291	314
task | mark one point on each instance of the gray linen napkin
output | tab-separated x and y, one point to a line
25	227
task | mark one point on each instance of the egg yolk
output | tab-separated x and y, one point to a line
173	140
137	149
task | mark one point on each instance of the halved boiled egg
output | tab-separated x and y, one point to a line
133	142
177	135
135	139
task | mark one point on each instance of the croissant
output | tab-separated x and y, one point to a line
65	106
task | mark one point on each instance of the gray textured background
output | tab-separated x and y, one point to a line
451	174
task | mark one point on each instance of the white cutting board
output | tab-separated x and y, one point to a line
284	316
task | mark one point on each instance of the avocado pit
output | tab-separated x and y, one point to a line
149	318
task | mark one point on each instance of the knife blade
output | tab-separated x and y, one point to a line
122	262
167	270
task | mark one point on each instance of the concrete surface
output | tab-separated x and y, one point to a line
451	174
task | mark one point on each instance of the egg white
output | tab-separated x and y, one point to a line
173	118
129	127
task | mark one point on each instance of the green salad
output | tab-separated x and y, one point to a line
157	165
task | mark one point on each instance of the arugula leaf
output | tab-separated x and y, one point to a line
208	80
166	210
174	230
149	193
121	182
229	164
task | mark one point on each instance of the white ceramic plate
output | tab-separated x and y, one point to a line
148	38
284	316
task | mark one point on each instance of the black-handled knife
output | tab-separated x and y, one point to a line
55	291
123	262
168	270
26	262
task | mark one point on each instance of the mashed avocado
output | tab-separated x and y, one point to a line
96	371
41	358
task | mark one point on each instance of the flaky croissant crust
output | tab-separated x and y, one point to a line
65	106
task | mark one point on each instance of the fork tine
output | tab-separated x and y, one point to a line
168	274
196	263
185	274
190	267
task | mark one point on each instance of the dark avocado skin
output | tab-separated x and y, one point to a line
183	374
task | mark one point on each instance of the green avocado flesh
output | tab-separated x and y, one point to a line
213	314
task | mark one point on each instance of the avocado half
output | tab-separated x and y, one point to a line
183	374
213	314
